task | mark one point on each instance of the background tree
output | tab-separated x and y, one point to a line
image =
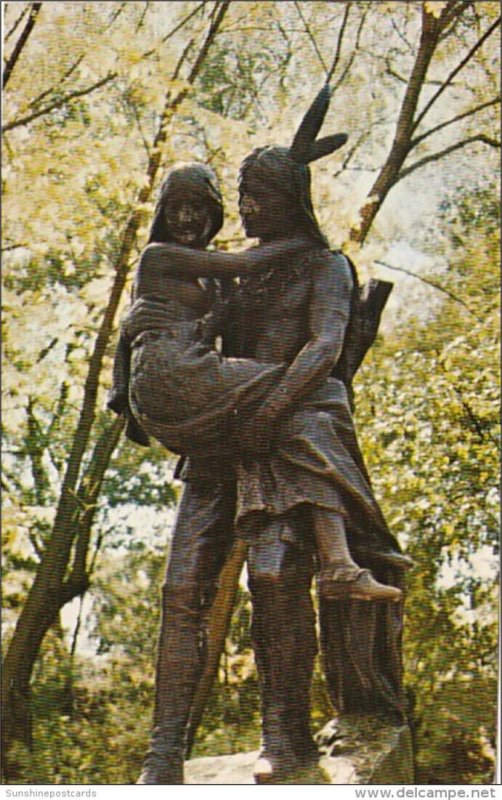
99	99
439	22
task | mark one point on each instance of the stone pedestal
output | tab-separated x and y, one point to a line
357	749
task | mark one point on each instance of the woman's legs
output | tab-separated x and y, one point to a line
192	400
340	577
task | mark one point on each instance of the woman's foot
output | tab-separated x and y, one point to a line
362	587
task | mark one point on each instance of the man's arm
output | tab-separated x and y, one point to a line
168	259
329	311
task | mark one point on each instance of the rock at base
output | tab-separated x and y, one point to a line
236	769
355	749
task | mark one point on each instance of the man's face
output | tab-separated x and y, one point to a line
263	212
188	219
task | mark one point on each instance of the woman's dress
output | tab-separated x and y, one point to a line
187	396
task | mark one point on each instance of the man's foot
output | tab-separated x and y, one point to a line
362	587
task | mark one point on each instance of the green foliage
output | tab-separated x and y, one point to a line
428	413
95	736
93	715
140	474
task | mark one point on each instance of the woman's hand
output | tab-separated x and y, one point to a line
143	315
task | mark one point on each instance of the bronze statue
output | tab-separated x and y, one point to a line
274	456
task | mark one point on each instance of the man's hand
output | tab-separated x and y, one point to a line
143	315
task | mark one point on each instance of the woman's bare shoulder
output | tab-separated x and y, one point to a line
155	250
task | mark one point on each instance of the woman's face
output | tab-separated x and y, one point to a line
188	220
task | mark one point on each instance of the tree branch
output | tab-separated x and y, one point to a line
13	247
58	103
11	63
175	29
63	78
400	147
61	101
35	449
143	15
455	72
54	424
116	14
474	419
339	43
418	139
183	57
46	350
350	155
354	50
88	493
431	283
17	23
452	15
401	36
311	37
480	137
448	31
219	11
